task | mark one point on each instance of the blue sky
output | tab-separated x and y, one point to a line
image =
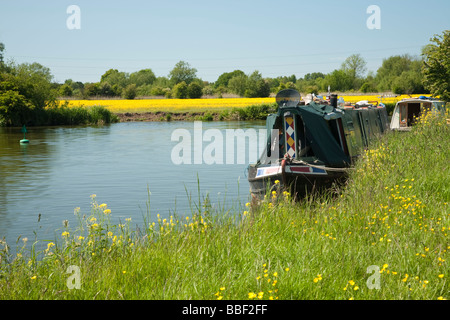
276	38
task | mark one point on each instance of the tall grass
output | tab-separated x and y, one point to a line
391	219
65	115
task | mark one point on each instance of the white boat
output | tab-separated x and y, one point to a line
408	110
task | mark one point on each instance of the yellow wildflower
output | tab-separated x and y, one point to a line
318	278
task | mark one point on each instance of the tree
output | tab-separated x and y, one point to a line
339	80
436	66
105	89
313	76
238	84
15	108
410	81
129	92
2	47
142	77
157	91
256	86
194	90
355	66
367	87
180	90
252	85
225	78
115	77
34	81
66	90
92	89
182	72
391	68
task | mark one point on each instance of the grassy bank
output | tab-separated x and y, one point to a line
391	219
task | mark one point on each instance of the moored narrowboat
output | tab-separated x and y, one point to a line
312	144
407	111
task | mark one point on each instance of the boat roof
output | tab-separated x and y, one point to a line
419	99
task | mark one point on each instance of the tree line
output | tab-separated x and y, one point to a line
399	74
28	86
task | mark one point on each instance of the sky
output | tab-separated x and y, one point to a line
277	38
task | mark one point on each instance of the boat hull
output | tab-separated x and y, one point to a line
299	180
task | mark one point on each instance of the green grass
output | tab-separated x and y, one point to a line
393	214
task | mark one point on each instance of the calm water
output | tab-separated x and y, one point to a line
63	166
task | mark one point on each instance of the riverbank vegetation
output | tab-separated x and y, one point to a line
27	97
383	235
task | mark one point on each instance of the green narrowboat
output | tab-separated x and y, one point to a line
311	145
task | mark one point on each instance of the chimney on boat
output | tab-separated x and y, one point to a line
333	100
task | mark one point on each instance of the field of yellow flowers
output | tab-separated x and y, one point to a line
202	105
172	105
384	235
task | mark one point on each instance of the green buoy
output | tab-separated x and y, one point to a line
24	140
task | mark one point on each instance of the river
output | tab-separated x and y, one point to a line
42	183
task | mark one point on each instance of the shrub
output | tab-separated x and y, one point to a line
130	92
157	91
367	87
194	90
180	90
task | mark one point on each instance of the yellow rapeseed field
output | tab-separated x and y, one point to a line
380	98
213	104
172	105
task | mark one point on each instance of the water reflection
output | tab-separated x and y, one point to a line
62	167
